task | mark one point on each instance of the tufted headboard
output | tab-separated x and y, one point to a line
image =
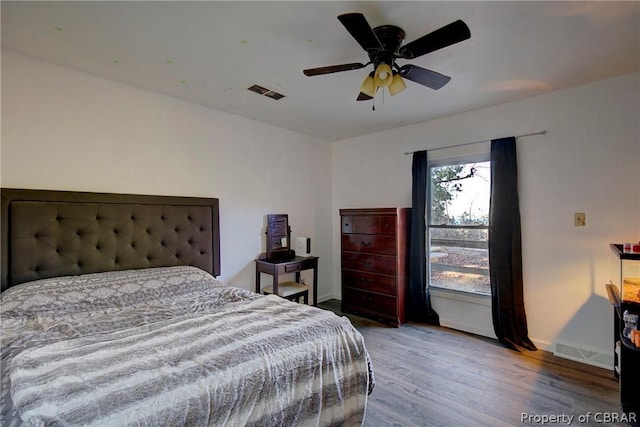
58	233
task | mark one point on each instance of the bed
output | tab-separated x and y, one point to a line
112	315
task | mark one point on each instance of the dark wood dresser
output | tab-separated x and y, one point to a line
374	262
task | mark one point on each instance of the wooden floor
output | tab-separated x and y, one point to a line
434	376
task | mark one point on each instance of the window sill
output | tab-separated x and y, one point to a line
460	296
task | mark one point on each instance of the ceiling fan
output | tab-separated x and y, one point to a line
384	46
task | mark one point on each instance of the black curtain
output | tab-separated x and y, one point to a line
419	303
505	248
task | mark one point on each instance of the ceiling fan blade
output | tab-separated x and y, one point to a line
363	97
425	77
360	29
333	69
446	36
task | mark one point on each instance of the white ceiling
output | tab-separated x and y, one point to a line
209	52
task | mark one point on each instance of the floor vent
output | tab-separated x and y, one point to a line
580	354
266	92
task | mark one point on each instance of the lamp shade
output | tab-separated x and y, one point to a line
367	87
397	84
383	76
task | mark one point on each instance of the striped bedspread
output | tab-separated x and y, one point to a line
174	346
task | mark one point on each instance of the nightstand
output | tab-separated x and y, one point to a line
280	267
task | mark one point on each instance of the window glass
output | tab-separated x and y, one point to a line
458	226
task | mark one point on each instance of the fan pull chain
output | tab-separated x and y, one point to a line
373	108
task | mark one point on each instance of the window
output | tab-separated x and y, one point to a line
458	225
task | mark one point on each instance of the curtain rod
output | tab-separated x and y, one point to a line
542	132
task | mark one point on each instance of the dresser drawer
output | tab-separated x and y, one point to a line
381	264
369	224
369	243
369	282
387	225
367	301
347	223
366	224
290	268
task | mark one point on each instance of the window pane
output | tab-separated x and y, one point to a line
458	231
460	194
460	260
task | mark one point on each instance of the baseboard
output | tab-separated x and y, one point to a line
325	297
467	328
542	344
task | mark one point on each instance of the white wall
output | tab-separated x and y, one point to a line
588	162
67	130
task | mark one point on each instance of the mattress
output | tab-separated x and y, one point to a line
175	346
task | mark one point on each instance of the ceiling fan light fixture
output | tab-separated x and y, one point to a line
368	87
397	84
383	75
384	44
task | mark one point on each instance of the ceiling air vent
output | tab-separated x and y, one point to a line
266	92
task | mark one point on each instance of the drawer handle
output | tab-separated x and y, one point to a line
366	262
364	279
366	243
